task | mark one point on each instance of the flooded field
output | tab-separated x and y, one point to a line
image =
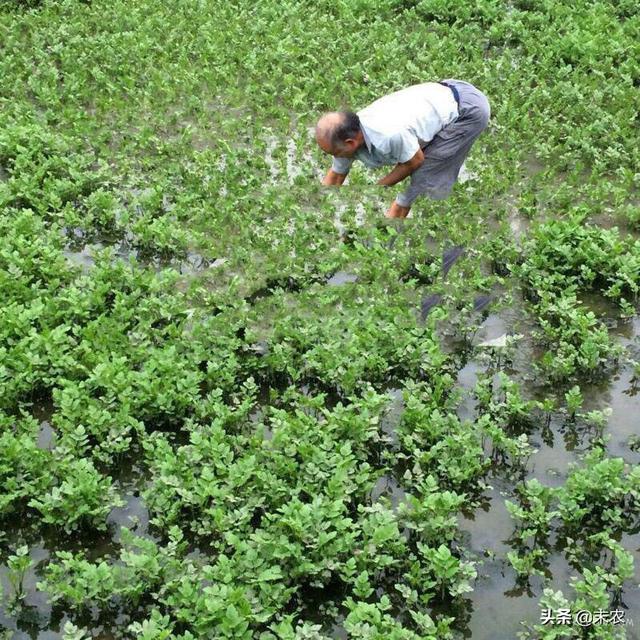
237	404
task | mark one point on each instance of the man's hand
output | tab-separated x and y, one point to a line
333	178
402	170
397	211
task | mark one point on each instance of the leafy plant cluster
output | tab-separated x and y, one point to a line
371	344
285	512
562	259
253	390
70	186
598	502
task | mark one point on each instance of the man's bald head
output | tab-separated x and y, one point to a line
338	132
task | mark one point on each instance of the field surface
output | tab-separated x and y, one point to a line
237	404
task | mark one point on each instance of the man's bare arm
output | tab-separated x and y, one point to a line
333	178
402	170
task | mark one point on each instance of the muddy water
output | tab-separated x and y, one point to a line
499	603
38	617
389	422
84	256
388	487
43	411
621	395
342	277
550	463
489	527
36	610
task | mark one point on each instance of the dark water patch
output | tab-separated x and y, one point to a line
260	348
559	572
194	263
555	452
388	487
259	415
272	285
35	611
84	257
512	324
342	277
620	395
549	464
331	398
127	470
500	601
518	224
37	617
42	410
132	478
200	555
317	604
489	527
459	610
75	237
493	327
419	272
46	436
265	430
631	590
466	380
531	165
81	250
607	311
498	605
628	332
626	227
337	631
133	515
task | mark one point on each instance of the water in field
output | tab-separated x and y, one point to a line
39	617
500	601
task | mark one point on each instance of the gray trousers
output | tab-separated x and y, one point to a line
445	153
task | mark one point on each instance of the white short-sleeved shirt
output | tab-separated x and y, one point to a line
397	125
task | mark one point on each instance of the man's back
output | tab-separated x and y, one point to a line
422	110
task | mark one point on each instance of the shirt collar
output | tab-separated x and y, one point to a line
367	141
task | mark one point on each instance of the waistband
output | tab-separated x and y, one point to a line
456	95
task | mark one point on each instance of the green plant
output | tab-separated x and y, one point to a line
574	400
18	564
449	573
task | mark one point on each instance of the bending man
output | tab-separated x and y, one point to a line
425	130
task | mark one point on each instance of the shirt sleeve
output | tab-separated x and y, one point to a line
403	146
342	165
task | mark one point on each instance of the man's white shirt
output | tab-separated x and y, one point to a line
397	125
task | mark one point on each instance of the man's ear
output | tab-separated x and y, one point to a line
352	143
